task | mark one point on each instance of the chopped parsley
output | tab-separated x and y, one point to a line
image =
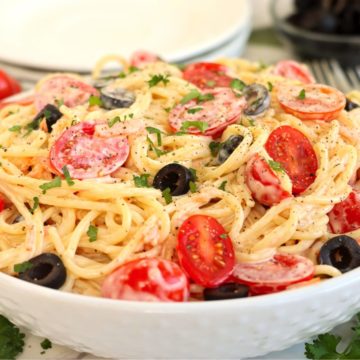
193	173
166	194
142	180
133	69
251	122
15	128
196	95
11	339
192	186
201	125
94	100
22	267
59	102
152	130
46	344
50	185
270	86
167	109
67	176
157	151
302	94
223	236
237	85
276	166
35	204
194	110
214	147
113	121
156	79
222	185
92	233
325	346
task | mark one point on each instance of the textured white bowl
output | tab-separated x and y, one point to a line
218	329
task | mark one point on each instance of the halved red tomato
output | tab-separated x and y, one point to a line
205	250
292	149
291	69
87	155
141	58
216	114
263	183
207	75
311	102
63	88
8	85
147	280
345	216
275	274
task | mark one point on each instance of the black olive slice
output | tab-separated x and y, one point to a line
50	113
47	270
114	97
350	105
258	99
226	291
228	147
174	176
342	252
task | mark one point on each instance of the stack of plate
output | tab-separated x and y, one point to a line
71	35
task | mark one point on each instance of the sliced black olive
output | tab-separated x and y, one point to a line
114	97
350	105
226	291
47	270
258	99
174	176
228	147
342	252
50	113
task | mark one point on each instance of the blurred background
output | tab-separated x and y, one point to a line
40	36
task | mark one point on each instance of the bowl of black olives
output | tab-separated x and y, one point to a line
320	29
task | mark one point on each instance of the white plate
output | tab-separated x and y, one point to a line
73	34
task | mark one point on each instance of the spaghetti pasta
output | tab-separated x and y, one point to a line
136	222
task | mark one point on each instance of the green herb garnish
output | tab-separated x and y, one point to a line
15	128
237	85
11	339
113	121
194	110
224	236
156	79
193	187
46	344
133	69
201	125
142	180
270	86
193	173
276	165
50	185
166	194
152	130
157	151
196	95
35	204
214	147
95	100
302	94
222	185
22	267
67	176
92	233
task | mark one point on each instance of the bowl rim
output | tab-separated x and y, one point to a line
281	24
268	300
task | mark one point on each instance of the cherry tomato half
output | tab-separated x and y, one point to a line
275	274
263	183
345	216
292	149
87	155
8	85
311	102
223	110
207	75
205	250
70	90
147	280
291	69
141	58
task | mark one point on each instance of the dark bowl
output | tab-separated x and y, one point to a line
308	44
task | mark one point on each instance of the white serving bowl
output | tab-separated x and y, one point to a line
215	329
